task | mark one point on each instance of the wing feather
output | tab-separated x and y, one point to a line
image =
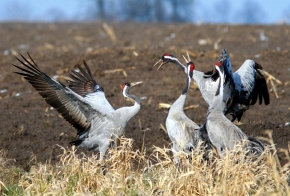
84	84
74	108
261	87
252	83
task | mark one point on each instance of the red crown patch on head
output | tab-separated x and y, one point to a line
218	63
123	86
192	66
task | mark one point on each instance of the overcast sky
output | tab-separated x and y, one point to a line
208	11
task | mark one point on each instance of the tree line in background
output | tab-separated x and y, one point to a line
175	11
142	10
221	11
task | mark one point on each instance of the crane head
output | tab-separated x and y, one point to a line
224	58
128	85
219	65
190	68
166	58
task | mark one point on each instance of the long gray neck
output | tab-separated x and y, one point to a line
180	65
187	85
217	103
126	113
179	103
134	97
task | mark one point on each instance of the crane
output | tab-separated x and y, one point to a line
243	86
83	104
206	81
183	132
249	84
223	134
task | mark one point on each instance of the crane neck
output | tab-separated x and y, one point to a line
134	97
180	65
217	103
179	103
124	114
187	85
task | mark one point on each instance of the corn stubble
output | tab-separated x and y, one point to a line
134	173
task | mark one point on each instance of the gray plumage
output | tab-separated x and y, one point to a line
83	104
206	81
242	89
249	84
183	132
223	134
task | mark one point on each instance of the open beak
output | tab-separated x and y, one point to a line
162	63
136	83
157	62
188	58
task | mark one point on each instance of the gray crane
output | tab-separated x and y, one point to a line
249	85
206	81
243	86
223	134
183	132
83	104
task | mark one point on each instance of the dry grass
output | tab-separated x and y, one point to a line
133	173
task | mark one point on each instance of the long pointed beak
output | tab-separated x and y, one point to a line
162	63
186	61
157	62
136	83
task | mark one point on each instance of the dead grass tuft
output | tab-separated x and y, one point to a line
131	172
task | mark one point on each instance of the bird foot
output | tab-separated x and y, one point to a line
272	80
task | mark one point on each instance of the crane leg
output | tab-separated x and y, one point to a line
103	153
175	155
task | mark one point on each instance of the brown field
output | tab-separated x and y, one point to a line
29	127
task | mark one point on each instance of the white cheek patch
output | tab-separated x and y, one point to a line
169	57
188	69
124	90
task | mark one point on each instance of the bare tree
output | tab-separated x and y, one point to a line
182	10
159	11
140	11
251	13
101	9
222	10
97	9
15	10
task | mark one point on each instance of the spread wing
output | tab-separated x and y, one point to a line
251	83
84	84
74	108
260	88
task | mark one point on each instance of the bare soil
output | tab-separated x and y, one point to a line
29	127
